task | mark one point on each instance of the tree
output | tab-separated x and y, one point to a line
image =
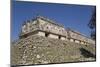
92	25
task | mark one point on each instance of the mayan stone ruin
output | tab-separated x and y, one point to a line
44	41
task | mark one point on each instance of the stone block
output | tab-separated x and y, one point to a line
71	40
53	36
41	33
63	38
77	41
82	42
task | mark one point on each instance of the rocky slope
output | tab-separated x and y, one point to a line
42	50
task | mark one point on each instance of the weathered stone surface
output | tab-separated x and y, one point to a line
42	41
42	50
44	27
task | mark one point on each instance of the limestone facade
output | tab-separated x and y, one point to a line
48	28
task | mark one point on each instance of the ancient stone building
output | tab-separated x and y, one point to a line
43	41
77	37
45	27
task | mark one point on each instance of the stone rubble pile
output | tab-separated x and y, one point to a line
43	50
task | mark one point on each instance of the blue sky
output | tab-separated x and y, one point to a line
74	16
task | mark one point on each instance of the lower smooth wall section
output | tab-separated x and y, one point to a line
63	38
41	33
53	36
82	42
77	41
71	40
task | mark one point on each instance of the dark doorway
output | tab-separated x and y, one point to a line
46	34
59	37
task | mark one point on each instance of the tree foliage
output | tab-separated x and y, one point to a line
92	25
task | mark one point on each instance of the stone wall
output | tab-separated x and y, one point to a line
77	41
44	50
41	33
29	27
77	37
45	34
50	27
41	24
53	36
44	26
63	38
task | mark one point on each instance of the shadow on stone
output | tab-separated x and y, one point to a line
87	53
